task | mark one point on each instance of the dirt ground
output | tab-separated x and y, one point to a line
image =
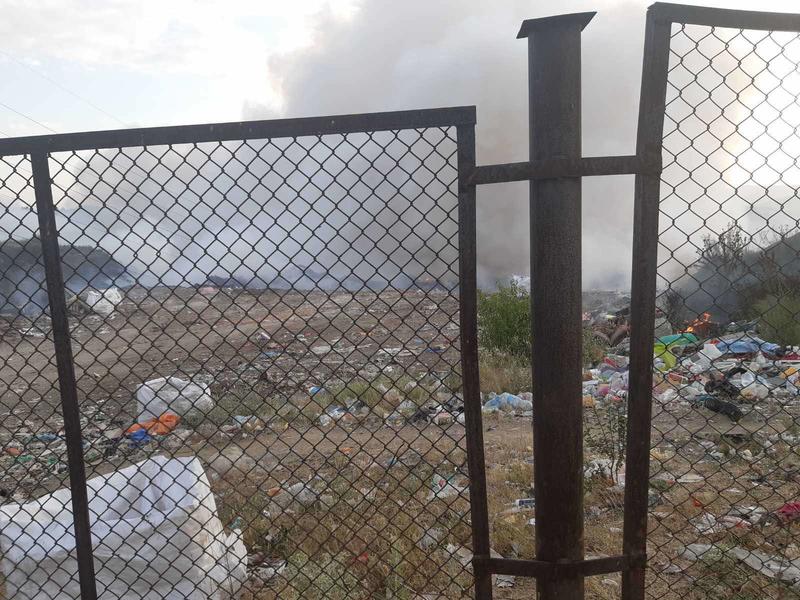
386	514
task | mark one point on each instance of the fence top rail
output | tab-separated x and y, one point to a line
725	17
226	132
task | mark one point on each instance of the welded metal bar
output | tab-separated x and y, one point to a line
468	311
554	94
555	168
48	234
548	570
643	299
223	132
724	17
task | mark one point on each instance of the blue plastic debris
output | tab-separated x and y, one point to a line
507	402
747	345
139	438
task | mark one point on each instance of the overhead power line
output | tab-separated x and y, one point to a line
64	88
24	116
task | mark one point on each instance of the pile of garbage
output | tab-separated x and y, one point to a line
35	452
728	374
509	403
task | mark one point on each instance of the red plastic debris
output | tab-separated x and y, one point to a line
789	511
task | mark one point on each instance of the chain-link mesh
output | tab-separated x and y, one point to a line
266	346
724	463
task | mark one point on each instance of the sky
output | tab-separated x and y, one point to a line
88	65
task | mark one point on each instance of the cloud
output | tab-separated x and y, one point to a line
417	54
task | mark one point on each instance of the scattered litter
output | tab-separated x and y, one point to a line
525	503
249	423
431	538
507	402
707	523
163	425
772	566
32	332
139	438
445	488
789	512
505	581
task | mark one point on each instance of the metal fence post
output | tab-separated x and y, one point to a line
554	92
66	372
468	290
643	300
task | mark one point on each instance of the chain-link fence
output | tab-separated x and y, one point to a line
265	337
724	459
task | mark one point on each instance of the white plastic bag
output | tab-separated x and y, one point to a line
155	534
103	303
171	394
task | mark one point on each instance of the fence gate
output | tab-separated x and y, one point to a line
255	357
715	241
252	410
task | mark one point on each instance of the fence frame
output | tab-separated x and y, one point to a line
39	148
652	109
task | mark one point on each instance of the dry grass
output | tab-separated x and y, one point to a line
503	373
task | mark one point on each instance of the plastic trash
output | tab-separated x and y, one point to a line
173	395
668	395
445	487
507	402
160	426
138	438
102	302
155	533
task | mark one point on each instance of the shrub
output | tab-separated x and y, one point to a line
504	327
779	318
504	320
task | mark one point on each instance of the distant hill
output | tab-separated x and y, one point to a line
22	276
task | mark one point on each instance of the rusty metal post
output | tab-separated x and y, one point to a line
554	92
643	298
468	309
48	234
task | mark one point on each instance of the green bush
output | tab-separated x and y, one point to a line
504	320
779	318
504	325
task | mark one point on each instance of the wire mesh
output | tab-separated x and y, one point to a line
266	345
725	431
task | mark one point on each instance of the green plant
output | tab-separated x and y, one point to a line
779	318
607	435
504	330
504	320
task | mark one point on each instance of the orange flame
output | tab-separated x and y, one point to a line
698	323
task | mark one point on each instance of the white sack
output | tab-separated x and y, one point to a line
155	533
171	394
103	303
